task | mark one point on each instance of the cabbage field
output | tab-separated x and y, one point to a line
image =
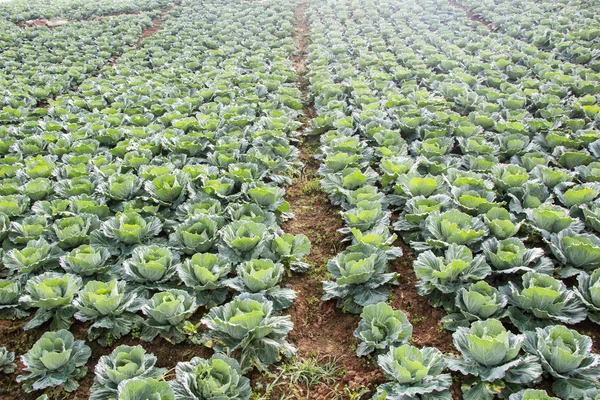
299	199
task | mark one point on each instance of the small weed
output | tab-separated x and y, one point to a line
418	319
353	393
55	393
319	271
311	186
299	376
136	332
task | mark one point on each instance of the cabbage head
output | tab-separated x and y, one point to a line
215	378
125	362
414	373
380	328
56	359
567	358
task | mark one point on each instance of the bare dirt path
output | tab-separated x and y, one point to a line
156	25
472	16
321	330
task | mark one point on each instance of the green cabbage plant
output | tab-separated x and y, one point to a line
588	292
144	389
412	185
219	377
111	306
366	216
567	357
10	291
490	353
380	237
290	250
121	187
168	189
501	223
441	277
86	261
197	234
29	228
248	329
417	209
507	176
339	184
531	195
244	240
576	252
380	328
125	362
479	301
151	267
440	230
205	274
531	394
512	256
362	277
414	374
36	257
549	219
262	277
71	232
166	313
250	212
542	300
575	196
52	294
268	197
591	215
126	229
56	359
7	366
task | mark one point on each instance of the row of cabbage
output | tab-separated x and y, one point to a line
128	373
20	11
481	176
496	67
39	63
156	190
569	29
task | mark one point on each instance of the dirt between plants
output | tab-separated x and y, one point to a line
320	328
156	25
20	341
43	22
472	16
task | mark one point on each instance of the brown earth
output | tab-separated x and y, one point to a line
472	16
156	25
20	341
44	22
321	330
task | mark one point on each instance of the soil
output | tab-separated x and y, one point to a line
156	25
20	341
321	330
472	16
43	22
